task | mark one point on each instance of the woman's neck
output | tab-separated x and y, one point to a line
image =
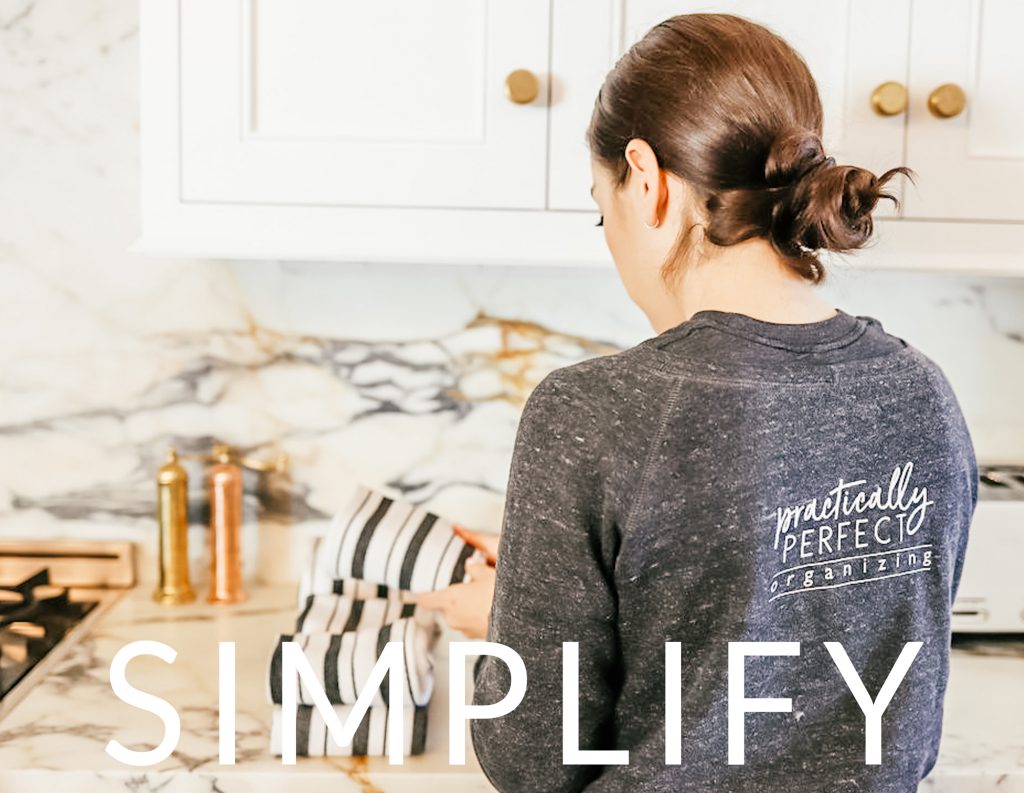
748	278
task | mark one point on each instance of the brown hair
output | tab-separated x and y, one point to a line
730	107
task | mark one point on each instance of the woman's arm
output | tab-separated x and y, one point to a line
553	585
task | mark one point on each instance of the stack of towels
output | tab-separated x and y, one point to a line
357	594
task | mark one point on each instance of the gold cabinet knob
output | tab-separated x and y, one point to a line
947	101
889	99
522	86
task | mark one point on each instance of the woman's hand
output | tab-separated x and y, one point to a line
467	606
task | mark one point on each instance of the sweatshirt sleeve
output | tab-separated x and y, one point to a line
962	451
553	585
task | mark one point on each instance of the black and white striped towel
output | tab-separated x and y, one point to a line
389	541
343	662
370	739
357	594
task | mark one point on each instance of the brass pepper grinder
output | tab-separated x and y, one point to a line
172	516
225	528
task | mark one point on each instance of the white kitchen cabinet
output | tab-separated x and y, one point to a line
381	131
384	103
972	164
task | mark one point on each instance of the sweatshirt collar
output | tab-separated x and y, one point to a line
827	334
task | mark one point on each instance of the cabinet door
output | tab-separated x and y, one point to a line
971	165
383	103
851	46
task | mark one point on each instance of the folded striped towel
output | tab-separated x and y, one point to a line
343	662
388	541
358	593
313	740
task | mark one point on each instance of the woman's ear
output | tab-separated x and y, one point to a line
646	174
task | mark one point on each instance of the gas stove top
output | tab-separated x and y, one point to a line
50	592
34	617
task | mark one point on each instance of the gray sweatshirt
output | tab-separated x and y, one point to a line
731	480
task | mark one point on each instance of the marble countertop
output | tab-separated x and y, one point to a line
54	740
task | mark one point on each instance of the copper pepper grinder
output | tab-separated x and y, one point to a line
225	528
172	516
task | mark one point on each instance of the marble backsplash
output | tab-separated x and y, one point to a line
407	377
334	366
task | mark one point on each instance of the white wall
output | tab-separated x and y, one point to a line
380	373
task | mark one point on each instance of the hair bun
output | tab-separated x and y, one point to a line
819	205
793	154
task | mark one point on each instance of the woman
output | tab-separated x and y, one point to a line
767	468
